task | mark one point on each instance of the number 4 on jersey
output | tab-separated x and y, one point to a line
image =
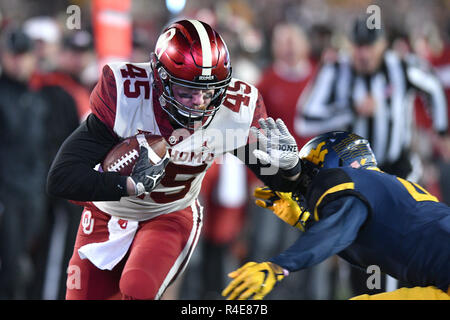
235	101
132	72
416	191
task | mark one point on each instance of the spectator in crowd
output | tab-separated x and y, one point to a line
46	35
283	82
61	60
432	45
322	50
74	55
22	173
69	105
141	46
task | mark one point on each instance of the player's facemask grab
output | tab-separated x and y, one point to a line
329	150
190	56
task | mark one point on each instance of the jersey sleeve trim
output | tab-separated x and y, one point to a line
339	187
260	111
327	186
103	98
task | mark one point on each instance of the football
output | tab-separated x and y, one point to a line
123	156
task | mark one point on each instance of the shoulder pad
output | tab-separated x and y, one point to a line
328	185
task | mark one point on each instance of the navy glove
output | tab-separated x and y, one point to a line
145	175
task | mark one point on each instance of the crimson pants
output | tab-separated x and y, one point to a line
158	254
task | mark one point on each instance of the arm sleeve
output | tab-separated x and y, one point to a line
425	81
72	175
324	109
326	237
260	111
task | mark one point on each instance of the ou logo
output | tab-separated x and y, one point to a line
163	42
87	222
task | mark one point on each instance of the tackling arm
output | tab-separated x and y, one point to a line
344	217
325	238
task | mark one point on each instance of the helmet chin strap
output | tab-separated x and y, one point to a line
165	105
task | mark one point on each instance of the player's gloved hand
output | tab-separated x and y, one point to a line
253	280
277	146
145	175
284	205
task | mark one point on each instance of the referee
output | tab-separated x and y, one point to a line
371	93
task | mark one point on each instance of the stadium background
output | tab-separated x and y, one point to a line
127	30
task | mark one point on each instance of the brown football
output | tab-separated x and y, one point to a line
123	156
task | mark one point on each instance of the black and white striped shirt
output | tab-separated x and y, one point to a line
331	100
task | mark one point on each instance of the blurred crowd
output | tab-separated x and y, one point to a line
47	72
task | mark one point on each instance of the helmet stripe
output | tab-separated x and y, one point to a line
206	47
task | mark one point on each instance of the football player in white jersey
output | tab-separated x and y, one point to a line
137	233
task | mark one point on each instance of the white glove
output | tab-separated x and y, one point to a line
276	145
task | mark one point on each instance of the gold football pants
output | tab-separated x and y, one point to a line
416	293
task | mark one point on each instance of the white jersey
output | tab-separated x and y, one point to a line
137	111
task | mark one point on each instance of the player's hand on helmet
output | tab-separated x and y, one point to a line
145	175
277	146
284	205
253	281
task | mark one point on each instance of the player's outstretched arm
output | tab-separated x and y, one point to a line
277	147
272	155
253	281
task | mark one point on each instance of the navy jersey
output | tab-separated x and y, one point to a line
368	217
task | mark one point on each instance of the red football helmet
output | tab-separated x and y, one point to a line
191	54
